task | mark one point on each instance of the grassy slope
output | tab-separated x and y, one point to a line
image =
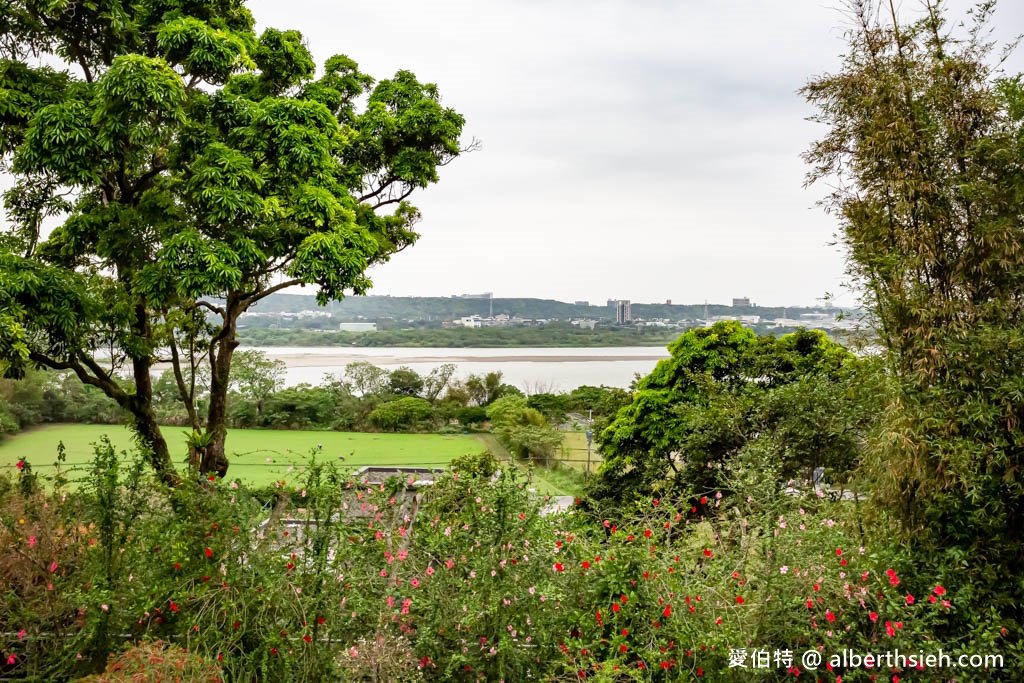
257	456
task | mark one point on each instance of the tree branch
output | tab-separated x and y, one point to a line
249	299
216	309
187	398
102	382
395	200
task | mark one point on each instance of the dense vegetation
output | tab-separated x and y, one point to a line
926	145
550	335
363	398
478	585
729	403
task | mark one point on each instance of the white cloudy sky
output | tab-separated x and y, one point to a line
631	149
638	149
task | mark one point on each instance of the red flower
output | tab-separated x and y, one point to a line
739	600
839	552
830	616
873	616
208	552
703	500
647	533
889	629
910	599
320	620
810	604
655	502
615	607
174	606
20	464
586	565
668	611
559	567
707	553
308	638
237	624
939	590
622	648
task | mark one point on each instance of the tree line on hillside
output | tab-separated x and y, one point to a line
449	308
550	335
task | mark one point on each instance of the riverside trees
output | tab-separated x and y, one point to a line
193	168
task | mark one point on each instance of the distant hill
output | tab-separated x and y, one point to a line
442	308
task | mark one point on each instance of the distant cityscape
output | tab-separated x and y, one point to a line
475	311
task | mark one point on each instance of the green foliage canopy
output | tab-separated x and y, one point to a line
193	168
722	390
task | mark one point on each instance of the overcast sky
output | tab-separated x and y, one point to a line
634	149
645	150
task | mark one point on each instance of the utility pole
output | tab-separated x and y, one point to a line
590	436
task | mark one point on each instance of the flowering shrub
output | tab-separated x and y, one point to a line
466	580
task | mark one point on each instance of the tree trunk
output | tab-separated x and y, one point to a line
141	407
215	460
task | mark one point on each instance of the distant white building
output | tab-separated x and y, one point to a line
623	313
357	327
584	324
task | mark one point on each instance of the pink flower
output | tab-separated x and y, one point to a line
12	659
53	566
20	465
430	571
415	583
31	541
21	634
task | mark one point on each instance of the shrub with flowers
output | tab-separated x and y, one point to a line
466	580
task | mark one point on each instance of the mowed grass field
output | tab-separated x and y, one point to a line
257	456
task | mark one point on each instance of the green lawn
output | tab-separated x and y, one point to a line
257	456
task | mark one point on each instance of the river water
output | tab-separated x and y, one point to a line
530	369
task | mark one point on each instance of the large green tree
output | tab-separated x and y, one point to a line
726	394
189	168
925	142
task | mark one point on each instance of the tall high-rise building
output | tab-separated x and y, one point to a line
622	312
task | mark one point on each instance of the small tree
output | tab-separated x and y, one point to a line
194	168
256	377
524	431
